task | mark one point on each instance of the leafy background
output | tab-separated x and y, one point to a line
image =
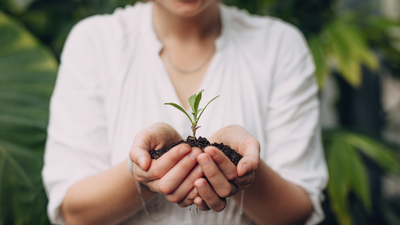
348	46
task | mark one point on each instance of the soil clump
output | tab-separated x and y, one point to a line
201	143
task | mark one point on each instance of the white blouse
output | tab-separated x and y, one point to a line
112	84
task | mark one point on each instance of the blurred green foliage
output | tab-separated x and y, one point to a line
27	76
33	33
347	172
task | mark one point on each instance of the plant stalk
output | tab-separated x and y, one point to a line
194	132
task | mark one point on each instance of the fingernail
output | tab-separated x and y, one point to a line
201	186
194	154
205	161
141	160
199	170
195	190
245	169
184	150
211	153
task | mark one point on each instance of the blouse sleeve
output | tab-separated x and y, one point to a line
77	135
294	148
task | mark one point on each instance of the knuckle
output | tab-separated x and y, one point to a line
231	176
157	173
165	189
172	198
141	135
186	166
207	198
211	174
172	157
225	192
249	142
138	178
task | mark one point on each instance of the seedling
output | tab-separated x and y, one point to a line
194	102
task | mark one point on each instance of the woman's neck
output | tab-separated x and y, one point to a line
199	28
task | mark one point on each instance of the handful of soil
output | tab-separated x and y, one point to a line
201	143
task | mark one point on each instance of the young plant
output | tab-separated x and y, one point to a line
194	102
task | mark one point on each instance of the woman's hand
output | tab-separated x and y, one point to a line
224	179
167	174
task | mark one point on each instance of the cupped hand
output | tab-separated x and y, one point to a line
224	179
173	174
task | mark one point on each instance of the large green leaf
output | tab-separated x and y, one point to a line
378	152
338	186
23	199
319	55
347	47
27	76
358	178
347	170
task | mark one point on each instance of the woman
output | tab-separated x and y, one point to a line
117	71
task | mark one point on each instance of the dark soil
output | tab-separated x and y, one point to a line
200	143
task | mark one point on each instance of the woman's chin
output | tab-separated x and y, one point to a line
186	8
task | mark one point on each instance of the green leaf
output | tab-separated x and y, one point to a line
197	102
350	50
359	178
347	170
382	155
361	50
27	76
181	109
342	51
17	7
206	107
191	102
322	70
338	186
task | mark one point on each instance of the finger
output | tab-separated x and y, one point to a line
238	138
139	153
200	204
156	136
229	170
232	135
250	160
140	175
222	187
189	199
177	174
244	181
208	195
161	166
223	162
186	186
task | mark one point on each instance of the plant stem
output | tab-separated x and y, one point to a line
194	132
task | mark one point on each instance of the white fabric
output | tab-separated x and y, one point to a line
112	84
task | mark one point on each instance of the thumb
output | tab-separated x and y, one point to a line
139	153
251	157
